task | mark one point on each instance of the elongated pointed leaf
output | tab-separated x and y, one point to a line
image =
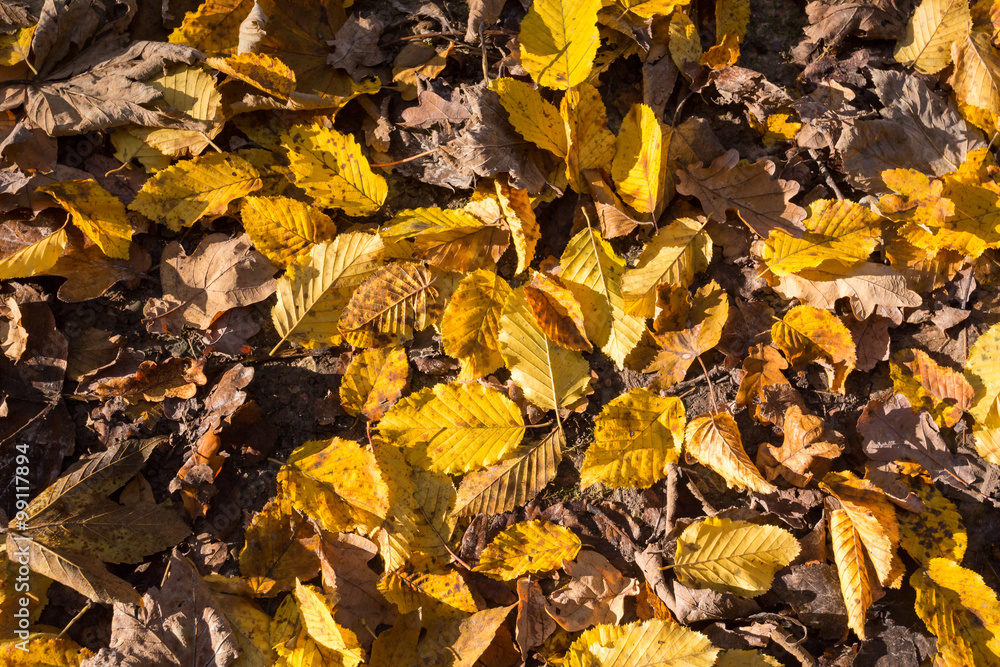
531	546
470	325
559	40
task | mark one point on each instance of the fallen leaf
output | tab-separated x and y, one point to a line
529	547
943	392
867	285
938	531
856	583
557	312
596	593
281	548
374	381
284	229
930	32
803	453
390	305
470	323
558	42
174	378
808	334
433	108
714	441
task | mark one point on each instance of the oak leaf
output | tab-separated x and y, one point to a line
454	428
762	201
175	377
528	547
390	305
595	595
808	334
283	229
803	454
558	42
733	556
635	437
714	441
763	366
374	381
201	187
867	285
90	273
470	323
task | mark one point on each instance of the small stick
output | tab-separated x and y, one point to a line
407	159
711	390
785	641
76	618
826	173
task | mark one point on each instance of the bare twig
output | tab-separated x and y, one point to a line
711	389
785	641
76	618
814	154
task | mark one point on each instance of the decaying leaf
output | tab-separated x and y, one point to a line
534	546
390	305
595	594
374	381
807	334
803	454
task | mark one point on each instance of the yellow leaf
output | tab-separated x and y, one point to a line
733	556
470	324
43	649
983	373
941	391
639	168
201	187
550	376
779	127
987	434
808	334
14	47
260	70
961	611
34	258
763	366
453	428
559	40
450	238
648	9
723	54
330	168
855	581
590	143
592	271
534	117
422	584
557	311
514	481
390	305
191	90
679	349
520	218
374	381
280	547
714	441
731	18
530	546
673	256
313	292
635	437
214	26
737	658
874	518
976	80
930	32
284	229
645	643
336	482
936	532
685	43
804	451
838	231
321	627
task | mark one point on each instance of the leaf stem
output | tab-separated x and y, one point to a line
76	618
711	389
407	159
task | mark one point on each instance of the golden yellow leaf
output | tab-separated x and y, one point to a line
635	437
639	169
550	376
976	80
738	658
874	518
724	53
685	43
961	611
190	190
557	311
653	642
940	390
43	649
558	41
936	532
855	579
590	143
714	441
214	26
648	9
679	349
280	548
930	32
453	428
313	292
673	256
731	18
191	90
33	254
779	127
260	70
423	584
593	272
983	373
98	213
803	453
390	305
530	546
733	556
520	219
470	324
987	435
374	381
534	117
336	482
838	231
808	334
330	168
514	481
14	47
450	238
319	623
283	229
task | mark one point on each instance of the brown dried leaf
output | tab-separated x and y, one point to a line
763	366
433	108
804	452
596	593
176	378
533	625
90	273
